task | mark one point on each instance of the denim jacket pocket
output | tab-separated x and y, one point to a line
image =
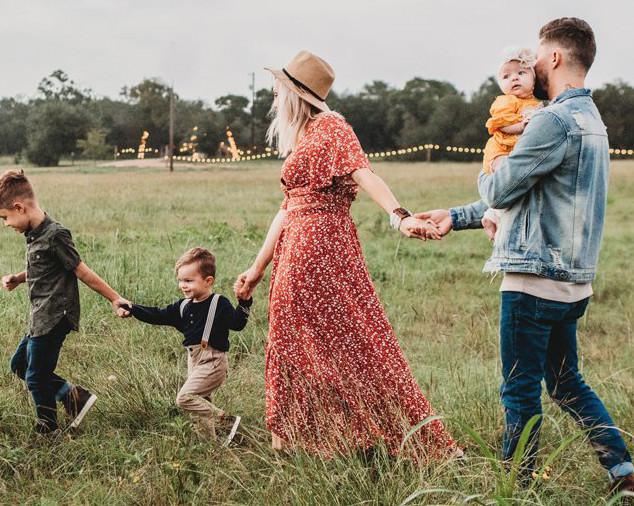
526	228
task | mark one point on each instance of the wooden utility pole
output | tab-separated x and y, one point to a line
170	148
252	110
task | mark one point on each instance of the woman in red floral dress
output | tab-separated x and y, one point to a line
336	378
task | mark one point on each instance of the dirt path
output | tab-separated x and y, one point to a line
134	162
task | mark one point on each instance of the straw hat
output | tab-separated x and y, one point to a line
309	76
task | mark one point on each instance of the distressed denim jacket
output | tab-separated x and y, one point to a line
553	190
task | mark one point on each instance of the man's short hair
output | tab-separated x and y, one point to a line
575	35
203	257
13	186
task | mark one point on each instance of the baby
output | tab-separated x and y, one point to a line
511	112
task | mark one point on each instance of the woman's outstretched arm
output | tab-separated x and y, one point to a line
380	192
248	280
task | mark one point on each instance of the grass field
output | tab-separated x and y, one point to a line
136	448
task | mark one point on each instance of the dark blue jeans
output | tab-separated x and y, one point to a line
539	341
34	361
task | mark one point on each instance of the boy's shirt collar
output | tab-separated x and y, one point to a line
208	298
31	235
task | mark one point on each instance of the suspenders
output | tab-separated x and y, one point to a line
210	317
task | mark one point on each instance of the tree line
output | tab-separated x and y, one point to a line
64	120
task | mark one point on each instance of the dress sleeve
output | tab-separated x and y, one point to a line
503	113
340	153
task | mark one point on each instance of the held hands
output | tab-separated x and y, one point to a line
122	307
246	282
10	282
420	229
441	217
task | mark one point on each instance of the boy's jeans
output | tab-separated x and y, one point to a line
34	361
539	341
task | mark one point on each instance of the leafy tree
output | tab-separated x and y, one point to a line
58	86
94	146
384	117
233	109
117	118
616	103
150	100
13	114
52	130
263	103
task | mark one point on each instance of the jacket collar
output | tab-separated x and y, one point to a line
570	93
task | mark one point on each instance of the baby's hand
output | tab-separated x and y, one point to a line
495	163
237	286
529	112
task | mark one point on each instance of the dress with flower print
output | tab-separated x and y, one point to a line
336	378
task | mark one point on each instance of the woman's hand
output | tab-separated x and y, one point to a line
420	229
247	281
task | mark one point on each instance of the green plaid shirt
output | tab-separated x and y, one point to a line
51	260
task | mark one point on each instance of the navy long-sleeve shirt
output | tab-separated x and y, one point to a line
192	324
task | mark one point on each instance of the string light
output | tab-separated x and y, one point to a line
268	153
212	161
621	151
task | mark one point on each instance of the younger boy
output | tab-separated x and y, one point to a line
53	267
204	319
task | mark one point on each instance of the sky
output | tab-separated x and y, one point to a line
209	48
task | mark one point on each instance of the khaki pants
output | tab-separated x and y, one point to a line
206	371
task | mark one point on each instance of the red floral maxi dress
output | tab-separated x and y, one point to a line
336	378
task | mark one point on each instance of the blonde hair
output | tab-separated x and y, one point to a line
14	185
203	257
290	114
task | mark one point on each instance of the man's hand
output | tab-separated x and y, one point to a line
11	281
122	307
441	217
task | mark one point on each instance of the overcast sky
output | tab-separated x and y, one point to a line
208	48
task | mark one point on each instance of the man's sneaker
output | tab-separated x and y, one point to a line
625	484
77	403
228	424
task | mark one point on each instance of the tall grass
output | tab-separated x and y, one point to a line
136	448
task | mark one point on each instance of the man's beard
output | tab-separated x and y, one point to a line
541	86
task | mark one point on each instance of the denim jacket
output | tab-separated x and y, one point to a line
553	190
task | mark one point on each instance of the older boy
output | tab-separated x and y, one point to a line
53	267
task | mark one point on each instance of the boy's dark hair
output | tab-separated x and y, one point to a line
14	185
575	35
203	257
